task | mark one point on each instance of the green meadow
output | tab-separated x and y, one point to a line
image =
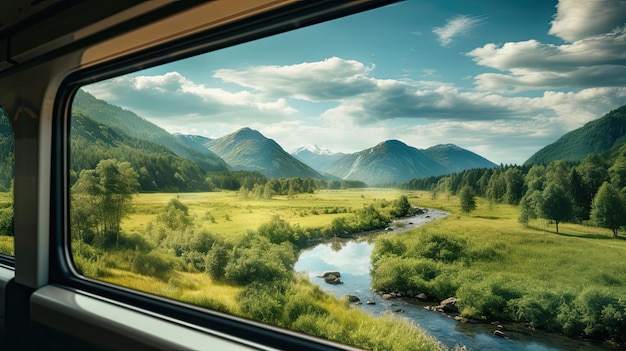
6	225
177	263
571	282
227	213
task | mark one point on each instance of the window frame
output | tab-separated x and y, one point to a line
61	270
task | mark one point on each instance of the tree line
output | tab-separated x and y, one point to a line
592	191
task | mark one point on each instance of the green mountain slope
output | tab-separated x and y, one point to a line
456	159
158	167
594	137
135	126
249	150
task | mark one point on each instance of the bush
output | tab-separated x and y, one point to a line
486	299
258	260
595	313
262	303
153	264
216	260
538	310
440	247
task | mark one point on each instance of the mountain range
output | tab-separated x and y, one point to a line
246	149
179	161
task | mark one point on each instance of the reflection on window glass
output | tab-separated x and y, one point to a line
6	184
430	161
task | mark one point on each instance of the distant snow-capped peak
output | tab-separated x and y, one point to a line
315	149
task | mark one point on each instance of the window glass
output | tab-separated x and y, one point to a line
6	184
366	179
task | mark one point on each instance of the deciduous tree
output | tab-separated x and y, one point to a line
608	208
556	205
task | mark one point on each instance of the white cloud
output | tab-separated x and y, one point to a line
597	61
331	79
456	27
580	19
173	96
347	95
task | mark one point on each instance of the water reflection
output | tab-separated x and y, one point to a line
351	257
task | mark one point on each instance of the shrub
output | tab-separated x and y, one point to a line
262	303
258	260
441	247
153	264
538	310
216	260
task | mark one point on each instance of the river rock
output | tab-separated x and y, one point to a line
332	279
499	333
461	319
352	298
326	274
447	306
370	302
422	297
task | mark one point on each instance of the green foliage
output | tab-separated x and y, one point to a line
6	245
257	259
101	198
539	309
468	201
595	313
154	264
175	216
401	207
216	260
6	220
440	247
487	299
278	230
555	204
608	208
594	137
159	168
7	149
136	129
262	302
529	206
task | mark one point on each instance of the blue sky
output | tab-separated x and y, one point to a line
502	79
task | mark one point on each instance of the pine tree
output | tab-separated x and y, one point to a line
468	201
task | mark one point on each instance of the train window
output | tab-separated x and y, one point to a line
6	184
477	169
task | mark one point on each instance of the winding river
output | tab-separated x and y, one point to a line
351	257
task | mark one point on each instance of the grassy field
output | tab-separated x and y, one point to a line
233	215
292	303
6	239
572	282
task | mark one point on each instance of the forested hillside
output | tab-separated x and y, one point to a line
118	118
594	137
158	167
